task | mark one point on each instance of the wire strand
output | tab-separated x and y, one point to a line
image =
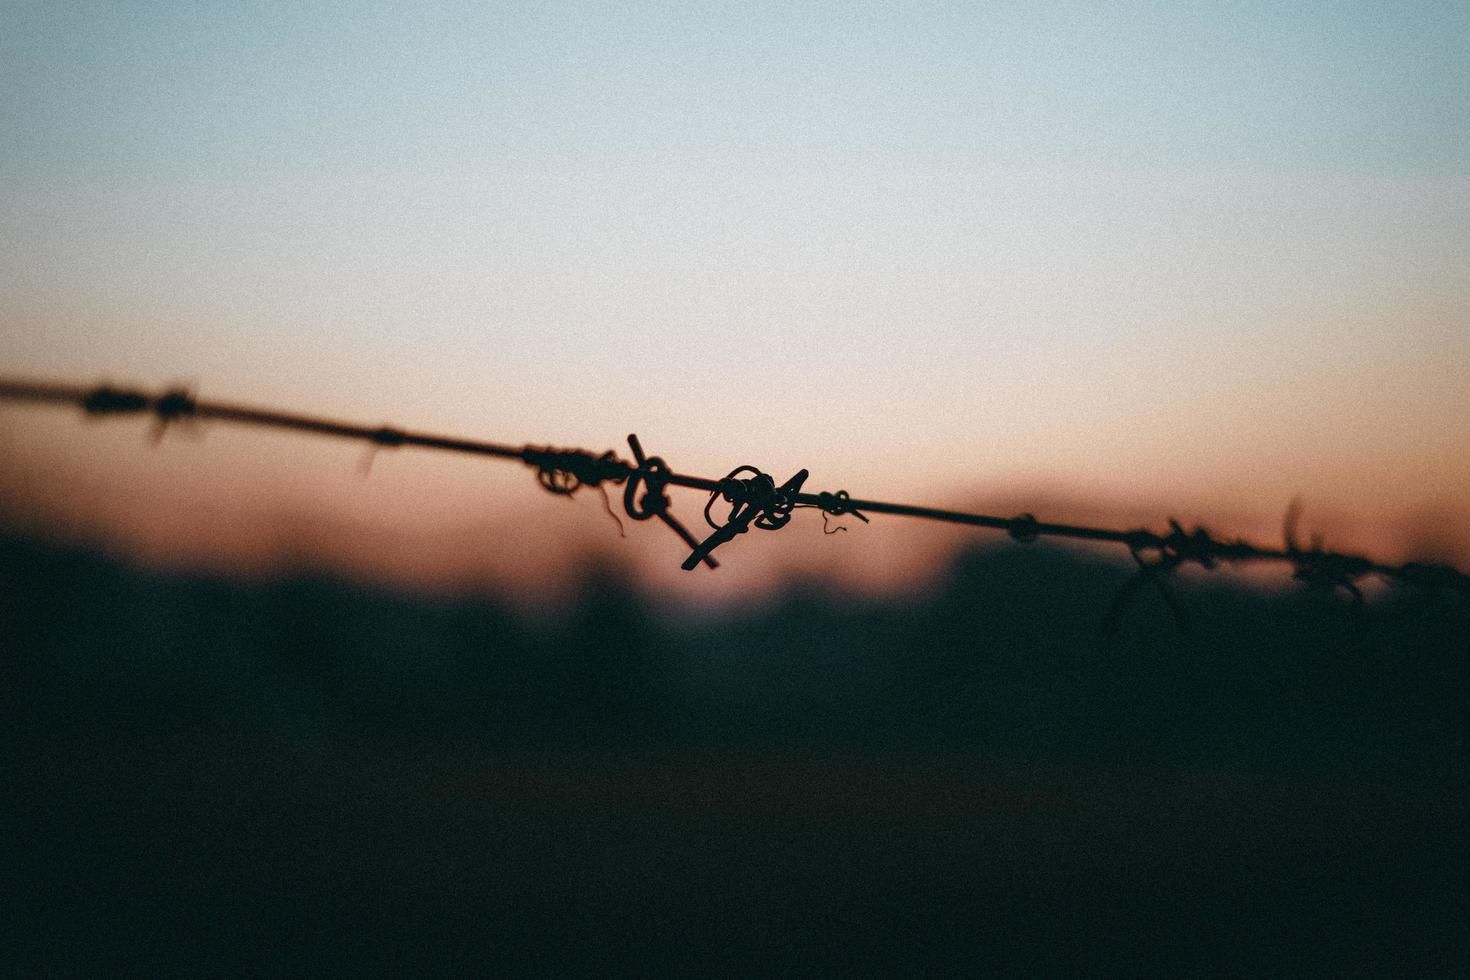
755	500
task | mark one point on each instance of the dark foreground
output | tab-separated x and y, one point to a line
203	778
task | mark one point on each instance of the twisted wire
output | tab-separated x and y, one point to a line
754	499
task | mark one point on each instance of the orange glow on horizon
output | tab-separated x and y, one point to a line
259	503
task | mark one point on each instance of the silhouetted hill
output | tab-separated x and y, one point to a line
305	775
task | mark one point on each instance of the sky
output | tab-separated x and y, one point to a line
1119	259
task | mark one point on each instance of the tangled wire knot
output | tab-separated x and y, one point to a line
836	505
1178	547
754	500
565	471
653	474
1319	569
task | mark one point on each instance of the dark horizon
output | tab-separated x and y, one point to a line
313	776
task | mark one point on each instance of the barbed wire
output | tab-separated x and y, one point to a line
754	499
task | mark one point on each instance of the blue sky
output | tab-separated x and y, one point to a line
105	90
108	91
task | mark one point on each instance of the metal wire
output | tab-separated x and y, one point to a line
756	500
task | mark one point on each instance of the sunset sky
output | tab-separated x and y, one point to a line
1120	260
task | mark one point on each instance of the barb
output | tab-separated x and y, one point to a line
836	505
653	474
1320	569
1150	572
1174	549
755	500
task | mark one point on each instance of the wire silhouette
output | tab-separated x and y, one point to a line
754	499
